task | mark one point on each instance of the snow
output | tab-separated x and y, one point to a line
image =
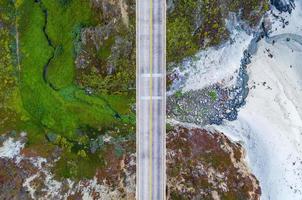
53	189
27	184
270	125
89	188
294	20
10	148
216	64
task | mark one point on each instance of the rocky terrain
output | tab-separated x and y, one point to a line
75	139
201	164
26	175
259	72
105	54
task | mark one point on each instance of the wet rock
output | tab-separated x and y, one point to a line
88	91
200	107
284	5
96	144
51	137
266	25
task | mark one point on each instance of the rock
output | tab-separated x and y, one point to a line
51	137
170	6
88	91
284	5
202	163
11	179
266	25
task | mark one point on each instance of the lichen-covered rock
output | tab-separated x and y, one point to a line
105	53
24	174
196	24
201	164
12	177
204	164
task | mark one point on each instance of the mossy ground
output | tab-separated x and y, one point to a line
39	105
9	93
196	24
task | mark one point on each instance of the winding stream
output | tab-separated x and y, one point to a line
45	69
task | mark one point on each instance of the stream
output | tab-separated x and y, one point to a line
45	69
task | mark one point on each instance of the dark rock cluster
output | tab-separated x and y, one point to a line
284	5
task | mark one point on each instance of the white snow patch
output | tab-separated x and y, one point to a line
54	189
105	191
52	186
216	65
11	149
27	185
294	20
270	125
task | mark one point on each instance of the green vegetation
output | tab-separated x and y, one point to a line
178	94
62	26
111	69
180	28
10	103
213	95
252	11
72	165
40	95
43	93
196	24
48	107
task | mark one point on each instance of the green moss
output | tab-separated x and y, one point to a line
11	110
178	94
180	41
180	27
38	106
76	167
213	95
62	21
62	111
105	50
185	36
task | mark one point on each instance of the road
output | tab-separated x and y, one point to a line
151	108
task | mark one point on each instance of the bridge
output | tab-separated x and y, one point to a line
150	103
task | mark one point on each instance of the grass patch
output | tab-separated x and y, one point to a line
62	111
10	101
213	95
46	32
77	166
62	23
105	50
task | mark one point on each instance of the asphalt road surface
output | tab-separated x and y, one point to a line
151	107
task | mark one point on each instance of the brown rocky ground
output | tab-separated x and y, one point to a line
24	174
207	165
201	164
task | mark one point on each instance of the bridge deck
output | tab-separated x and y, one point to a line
151	108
